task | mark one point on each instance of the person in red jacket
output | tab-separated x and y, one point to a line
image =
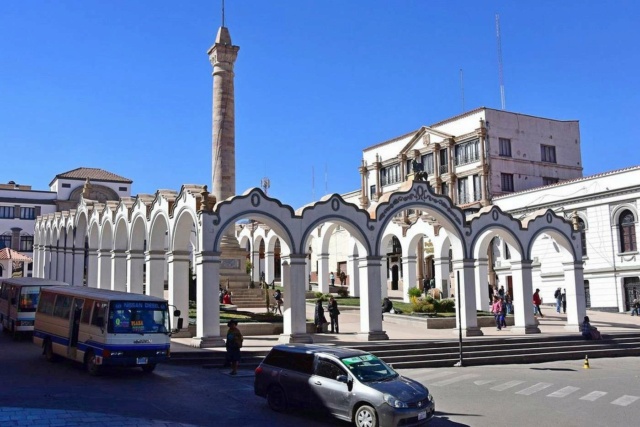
536	303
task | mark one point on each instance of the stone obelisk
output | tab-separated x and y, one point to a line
223	56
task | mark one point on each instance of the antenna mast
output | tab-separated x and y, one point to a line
502	99
223	13
265	184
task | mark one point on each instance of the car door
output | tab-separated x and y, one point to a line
296	369
330	395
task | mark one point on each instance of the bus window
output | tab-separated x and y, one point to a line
63	306
99	312
46	303
4	291
86	312
138	318
29	299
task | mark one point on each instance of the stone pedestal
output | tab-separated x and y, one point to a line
295	338
372	336
207	342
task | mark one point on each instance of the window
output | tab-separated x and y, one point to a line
372	191
427	163
46	303
467	152
548	153
583	236
477	189
507	181
99	314
444	189
63	306
548	181
6	211
627	225
390	174
26	243
27	213
122	188
463	194
444	160
86	312
5	241
505	147
328	369
66	185
288	360
507	252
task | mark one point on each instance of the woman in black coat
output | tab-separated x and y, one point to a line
318	318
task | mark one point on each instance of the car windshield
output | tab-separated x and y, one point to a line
129	317
368	368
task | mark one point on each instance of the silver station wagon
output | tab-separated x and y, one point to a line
349	384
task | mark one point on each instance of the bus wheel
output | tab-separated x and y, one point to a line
147	369
90	362
48	352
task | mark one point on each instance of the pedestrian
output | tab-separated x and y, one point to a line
508	301
343	278
387	306
233	345
318	319
558	296
635	307
496	309
536	303
279	301
221	294
590	332
501	292
332	278
503	314
564	301
226	298
332	308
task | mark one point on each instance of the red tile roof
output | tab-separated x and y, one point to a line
6	253
93	174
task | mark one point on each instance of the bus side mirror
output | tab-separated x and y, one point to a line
176	313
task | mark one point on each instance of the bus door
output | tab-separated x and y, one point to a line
74	325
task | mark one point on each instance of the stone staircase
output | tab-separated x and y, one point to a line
248	297
481	351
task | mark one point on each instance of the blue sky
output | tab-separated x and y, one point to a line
126	85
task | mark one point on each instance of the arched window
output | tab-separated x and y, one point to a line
627	225
583	236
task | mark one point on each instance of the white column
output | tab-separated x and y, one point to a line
60	265
118	270
92	268
104	269
307	273
295	319
269	267
370	300
207	303
466	316
77	278
68	265
178	262
135	271
37	260
53	263
382	279
441	273
482	283
255	262
155	265
524	321
409	279
354	276
576	301
323	273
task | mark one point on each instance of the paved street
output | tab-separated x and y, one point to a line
38	393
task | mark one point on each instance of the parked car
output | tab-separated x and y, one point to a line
349	384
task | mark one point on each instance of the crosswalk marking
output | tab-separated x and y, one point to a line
503	387
484	382
566	391
594	395
534	389
455	380
625	400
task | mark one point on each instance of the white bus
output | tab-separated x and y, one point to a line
18	302
100	327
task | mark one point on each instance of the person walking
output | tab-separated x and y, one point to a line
233	345
332	278
635	307
558	296
503	314
536	303
332	308
318	318
508	301
496	309
279	301
564	301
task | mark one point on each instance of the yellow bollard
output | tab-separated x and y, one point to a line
586	362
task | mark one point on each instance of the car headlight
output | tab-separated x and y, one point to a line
392	401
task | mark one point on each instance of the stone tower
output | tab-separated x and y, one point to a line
223	56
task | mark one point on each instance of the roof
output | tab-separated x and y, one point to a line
7	253
314	348
106	293
94	174
34	281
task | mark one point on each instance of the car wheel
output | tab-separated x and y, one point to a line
277	399
48	352
365	417
90	362
147	369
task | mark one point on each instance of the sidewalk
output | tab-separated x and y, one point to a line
551	324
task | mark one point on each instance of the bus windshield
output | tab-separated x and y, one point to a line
138	317
29	299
